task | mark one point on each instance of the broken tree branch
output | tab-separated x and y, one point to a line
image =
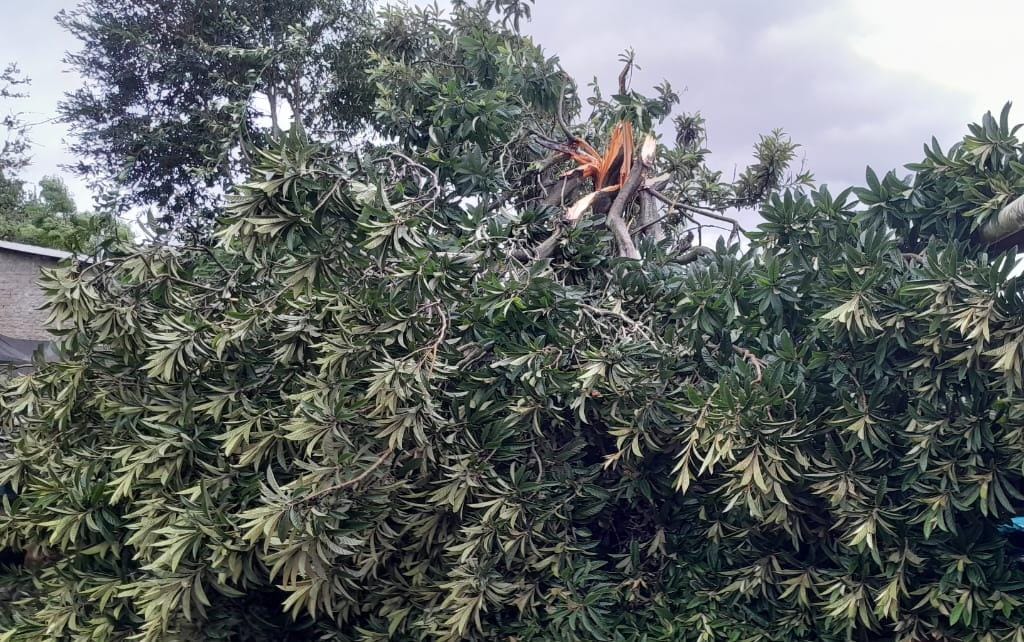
685	208
614	218
1008	223
555	197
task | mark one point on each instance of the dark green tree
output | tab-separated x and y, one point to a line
15	146
478	382
47	216
173	87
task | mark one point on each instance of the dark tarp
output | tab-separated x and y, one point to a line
20	351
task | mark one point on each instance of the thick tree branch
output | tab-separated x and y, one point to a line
650	222
616	222
555	197
1008	223
559	190
693	254
547	248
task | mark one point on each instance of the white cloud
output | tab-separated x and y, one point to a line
969	47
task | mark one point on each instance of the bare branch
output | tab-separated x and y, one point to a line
697	210
624	74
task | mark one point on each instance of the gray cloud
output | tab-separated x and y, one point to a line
750	67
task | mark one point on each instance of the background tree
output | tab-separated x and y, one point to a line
14	149
45	216
445	389
173	86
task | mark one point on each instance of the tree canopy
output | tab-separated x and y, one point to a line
480	381
14	149
47	216
173	87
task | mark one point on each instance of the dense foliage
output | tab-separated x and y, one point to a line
15	145
48	217
387	405
173	88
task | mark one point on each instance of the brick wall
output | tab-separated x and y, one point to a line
21	296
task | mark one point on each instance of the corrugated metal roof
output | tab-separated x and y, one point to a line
34	249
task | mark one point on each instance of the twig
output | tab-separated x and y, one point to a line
351	482
752	360
620	315
715	215
696	210
643	228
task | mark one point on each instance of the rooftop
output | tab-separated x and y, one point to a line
34	249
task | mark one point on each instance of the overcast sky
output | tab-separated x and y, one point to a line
856	82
